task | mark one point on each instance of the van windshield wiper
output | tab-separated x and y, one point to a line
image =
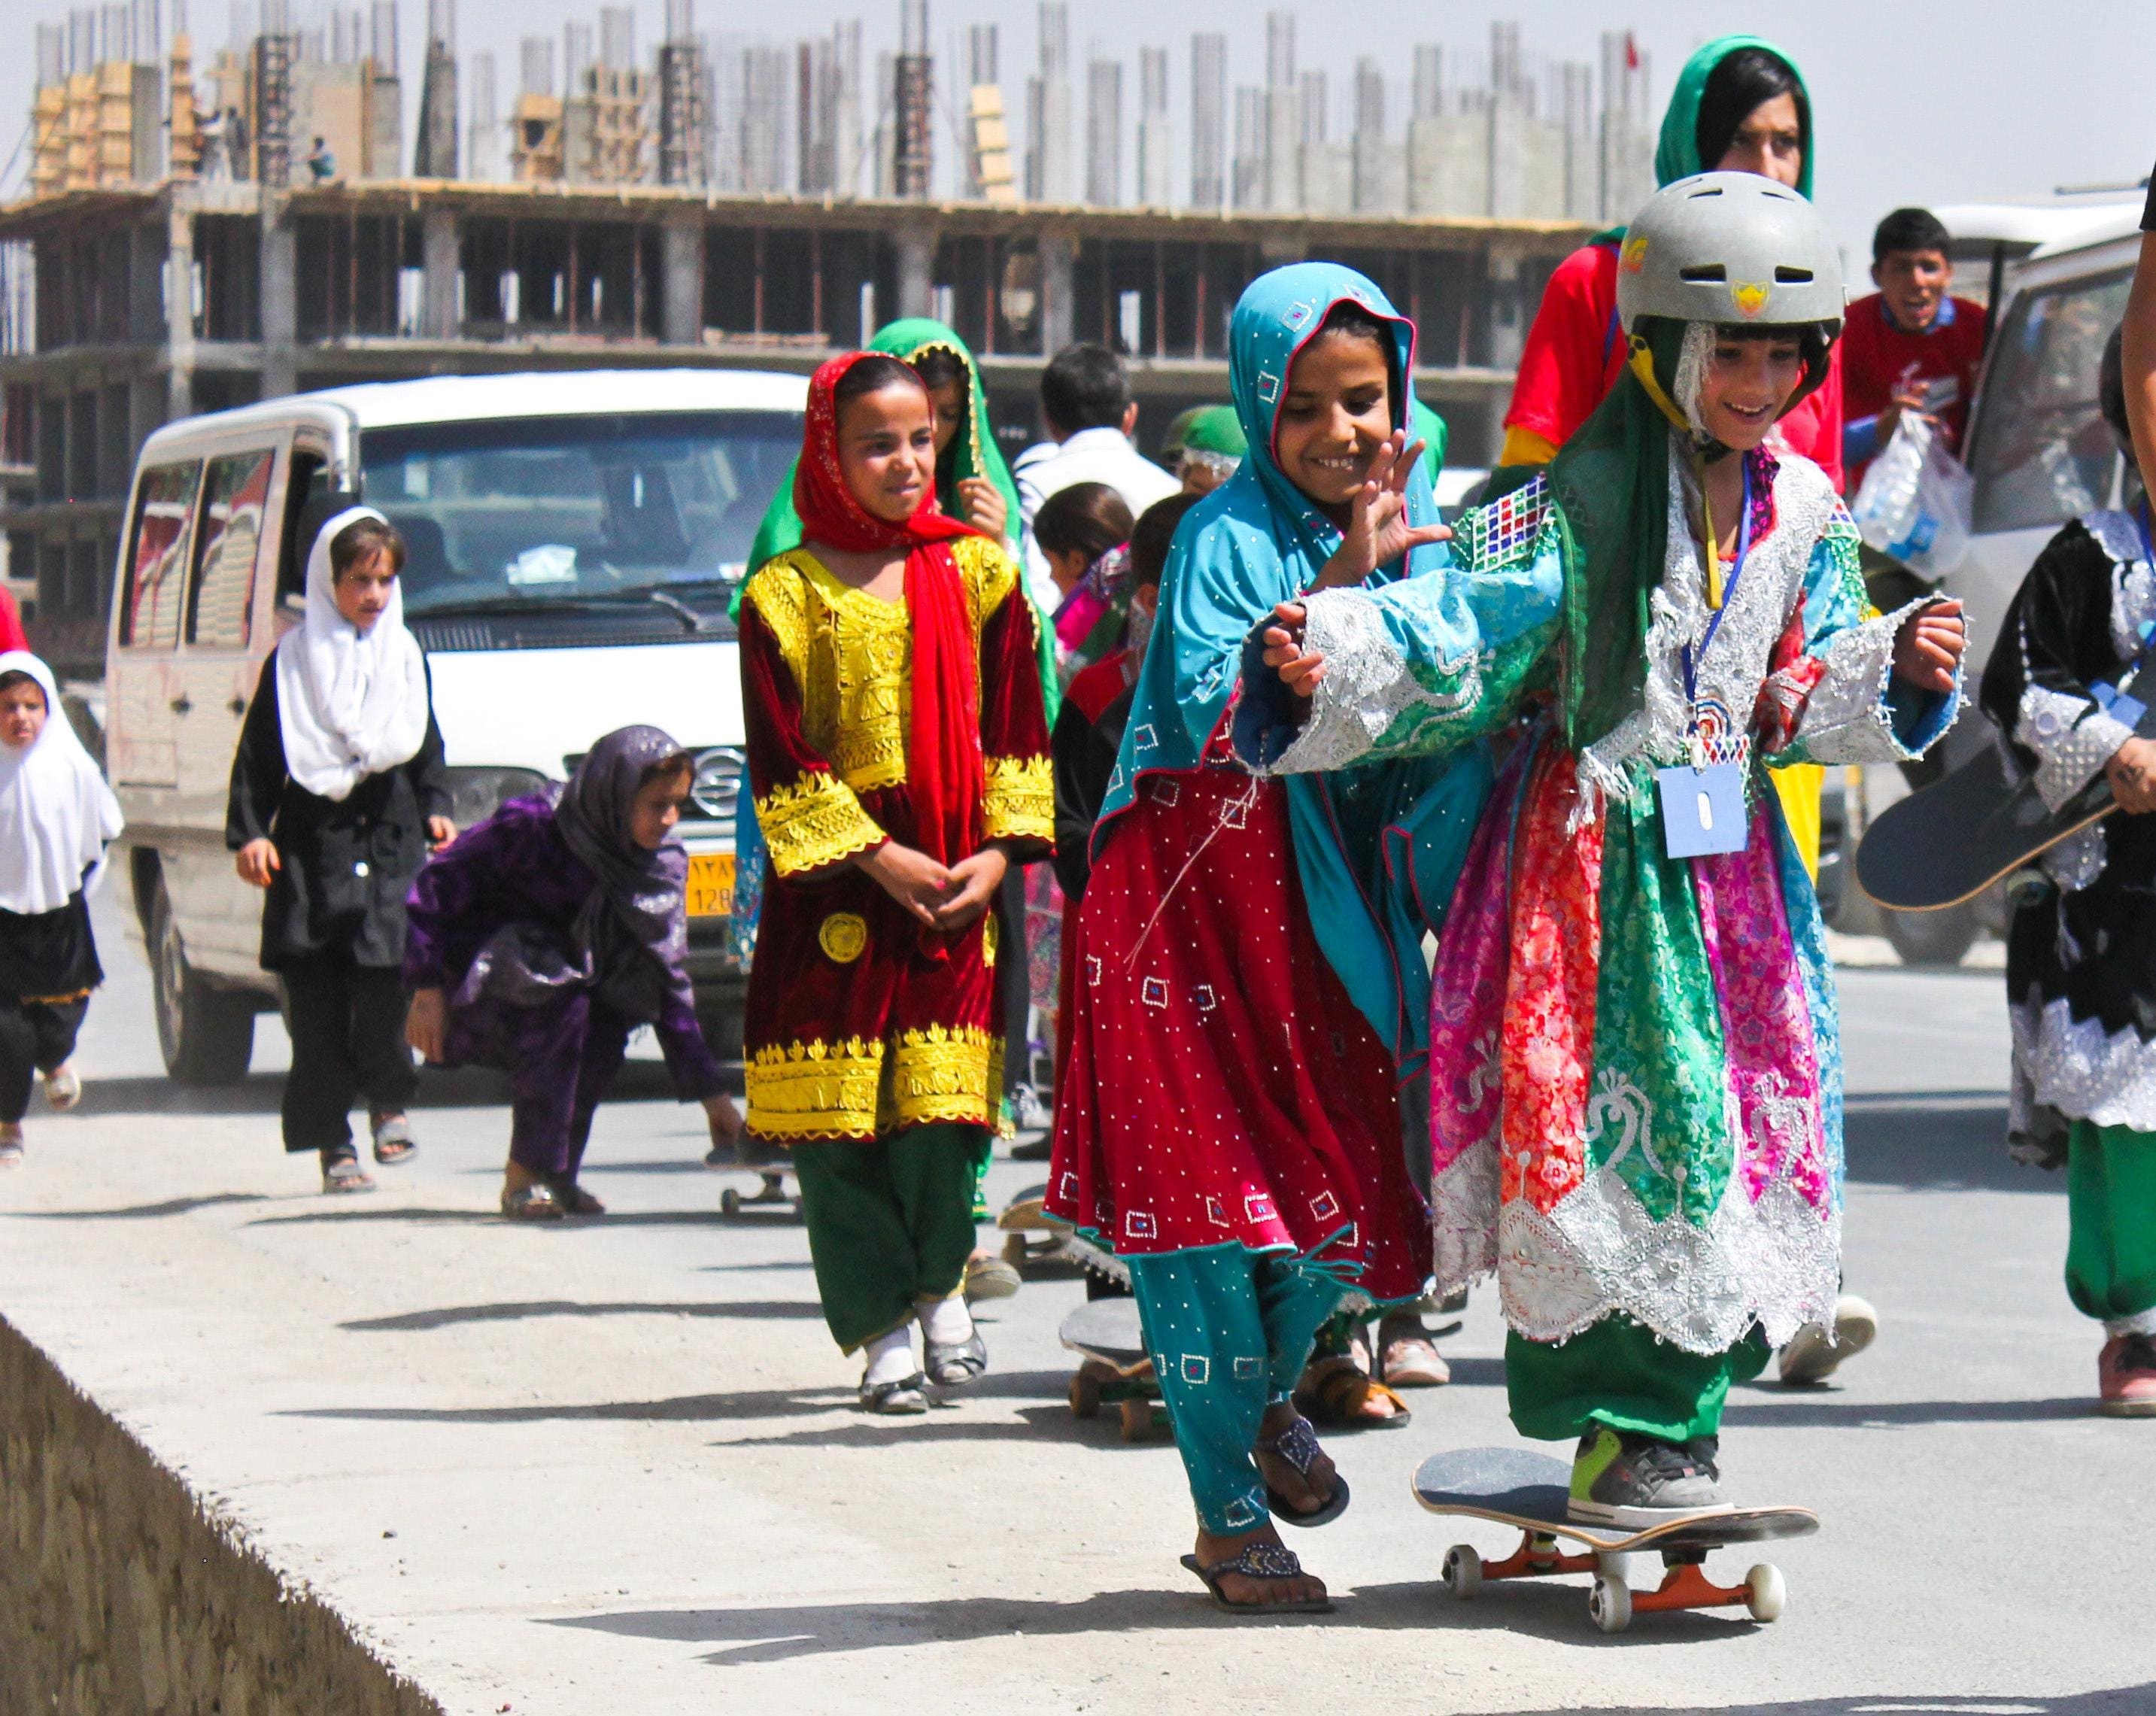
593	601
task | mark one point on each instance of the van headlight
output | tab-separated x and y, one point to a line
715	787
477	793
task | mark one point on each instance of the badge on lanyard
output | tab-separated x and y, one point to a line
1702	801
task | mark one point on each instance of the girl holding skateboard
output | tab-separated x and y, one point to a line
1634	1070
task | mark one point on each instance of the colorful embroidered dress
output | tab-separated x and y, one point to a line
1635	1078
860	1021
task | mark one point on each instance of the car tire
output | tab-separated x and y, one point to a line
206	1035
1934	938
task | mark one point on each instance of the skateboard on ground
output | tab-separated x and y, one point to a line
1516	1487
1117	1370
773	1170
1034	1241
1947	842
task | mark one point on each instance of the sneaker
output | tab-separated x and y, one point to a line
2126	1377
1813	1355
1622	1479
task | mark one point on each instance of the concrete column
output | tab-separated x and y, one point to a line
917	271
281	299
681	286
1058	257
1508	320
441	250
179	330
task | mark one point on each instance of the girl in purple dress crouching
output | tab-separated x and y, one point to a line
546	934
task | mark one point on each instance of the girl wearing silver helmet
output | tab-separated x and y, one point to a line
1634	1068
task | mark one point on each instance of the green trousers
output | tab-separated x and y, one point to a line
1229	1332
889	1223
2111	1217
1621	1374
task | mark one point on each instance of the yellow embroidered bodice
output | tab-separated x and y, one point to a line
852	655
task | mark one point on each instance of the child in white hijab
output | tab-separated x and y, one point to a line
338	790
57	816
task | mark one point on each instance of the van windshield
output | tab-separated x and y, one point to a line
2043	453
531	510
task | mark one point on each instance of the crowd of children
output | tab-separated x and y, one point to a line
1427	903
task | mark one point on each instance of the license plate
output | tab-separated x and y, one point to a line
711	884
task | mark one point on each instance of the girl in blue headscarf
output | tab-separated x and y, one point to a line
1228	1124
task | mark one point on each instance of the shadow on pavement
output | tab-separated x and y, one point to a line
2134	1698
689	1408
143	1212
1900	1143
1767	1408
749	1310
344	1210
262	1093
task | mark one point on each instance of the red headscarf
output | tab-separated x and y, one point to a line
944	775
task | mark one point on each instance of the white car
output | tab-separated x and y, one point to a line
574	541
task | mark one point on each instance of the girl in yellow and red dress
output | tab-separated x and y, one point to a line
898	758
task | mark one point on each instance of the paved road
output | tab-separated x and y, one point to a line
622	1472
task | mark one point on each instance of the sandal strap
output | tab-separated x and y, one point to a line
1297	1445
1259	1561
875	1393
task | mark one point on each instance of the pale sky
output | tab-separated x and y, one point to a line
1925	104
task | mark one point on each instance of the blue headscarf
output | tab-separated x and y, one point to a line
1254	542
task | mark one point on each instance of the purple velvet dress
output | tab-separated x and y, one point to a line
562	1049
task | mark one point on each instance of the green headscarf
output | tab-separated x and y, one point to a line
1612	479
1676	154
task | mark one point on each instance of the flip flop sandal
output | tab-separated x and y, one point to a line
1297	1445
1414	1362
1335	1398
63	1089
531	1203
392	1142
896	1399
1258	1561
954	1367
342	1175
574	1200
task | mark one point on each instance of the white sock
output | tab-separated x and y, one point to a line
890	1356
945	1321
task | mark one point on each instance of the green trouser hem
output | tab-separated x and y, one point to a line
2111	1220
890	1223
1621	1374
1229	1331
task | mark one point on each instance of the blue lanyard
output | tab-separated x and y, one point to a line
1692	656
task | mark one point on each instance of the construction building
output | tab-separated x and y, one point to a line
179	248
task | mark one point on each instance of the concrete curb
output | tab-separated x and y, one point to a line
123	1592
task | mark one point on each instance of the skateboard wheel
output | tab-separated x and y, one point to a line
1463	1572
1766	1592
1085	1395
1137	1420
729	1202
1610	1603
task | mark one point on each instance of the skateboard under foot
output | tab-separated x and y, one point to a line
1528	1491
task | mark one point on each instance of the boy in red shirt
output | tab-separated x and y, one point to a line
1910	346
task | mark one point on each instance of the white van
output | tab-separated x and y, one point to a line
574	541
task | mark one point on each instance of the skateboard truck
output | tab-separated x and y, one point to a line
1612	1602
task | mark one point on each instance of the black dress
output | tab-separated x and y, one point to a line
49	956
2081	954
347	863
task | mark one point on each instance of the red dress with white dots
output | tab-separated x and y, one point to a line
1222	1087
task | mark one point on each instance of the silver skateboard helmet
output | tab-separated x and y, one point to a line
1731	248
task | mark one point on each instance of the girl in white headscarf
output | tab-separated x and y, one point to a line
337	791
57	816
